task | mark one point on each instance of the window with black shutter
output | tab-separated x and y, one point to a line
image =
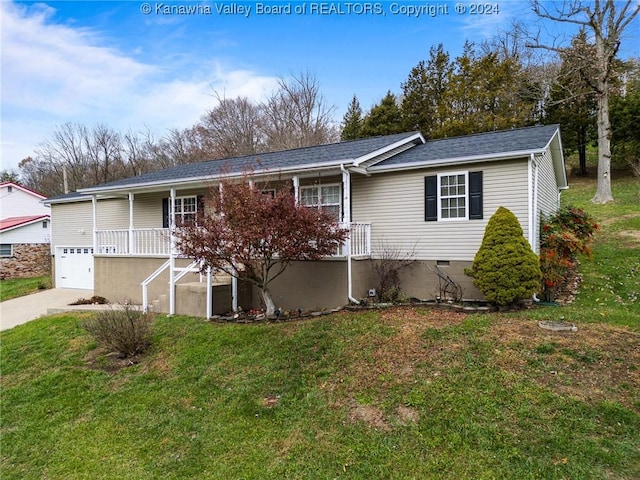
453	196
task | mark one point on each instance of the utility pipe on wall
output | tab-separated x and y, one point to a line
346	200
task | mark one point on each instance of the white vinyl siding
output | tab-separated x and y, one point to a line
31	233
548	197
71	224
19	203
147	210
112	214
394	205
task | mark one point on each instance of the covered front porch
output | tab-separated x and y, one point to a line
136	224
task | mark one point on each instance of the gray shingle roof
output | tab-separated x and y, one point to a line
273	161
478	145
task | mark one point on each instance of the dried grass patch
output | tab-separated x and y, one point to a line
598	362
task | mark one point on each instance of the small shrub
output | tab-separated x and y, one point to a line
125	330
391	260
564	236
505	269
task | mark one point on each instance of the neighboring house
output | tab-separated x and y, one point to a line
431	199
24	232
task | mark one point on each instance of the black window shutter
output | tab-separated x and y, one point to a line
165	213
431	198
475	195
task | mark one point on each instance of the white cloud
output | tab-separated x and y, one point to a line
54	73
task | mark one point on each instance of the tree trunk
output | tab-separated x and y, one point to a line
603	192
268	302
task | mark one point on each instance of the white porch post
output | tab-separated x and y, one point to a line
346	196
172	253
209	293
94	206
131	239
296	188
234	293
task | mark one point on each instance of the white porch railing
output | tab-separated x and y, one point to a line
360	239
157	241
144	241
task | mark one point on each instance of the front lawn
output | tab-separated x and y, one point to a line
400	393
17	287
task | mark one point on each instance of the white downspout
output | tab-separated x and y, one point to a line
172	253
534	225
533	209
530	199
346	218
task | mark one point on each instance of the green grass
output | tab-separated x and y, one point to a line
374	395
193	407
18	287
610	289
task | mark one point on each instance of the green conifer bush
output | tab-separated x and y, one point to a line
505	269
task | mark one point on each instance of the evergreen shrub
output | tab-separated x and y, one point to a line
505	268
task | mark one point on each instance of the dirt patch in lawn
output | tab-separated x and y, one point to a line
598	362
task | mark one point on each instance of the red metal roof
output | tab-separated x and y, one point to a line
12	222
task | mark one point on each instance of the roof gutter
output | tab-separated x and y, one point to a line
454	161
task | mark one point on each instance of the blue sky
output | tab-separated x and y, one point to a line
111	62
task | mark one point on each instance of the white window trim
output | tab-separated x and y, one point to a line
10	248
466	196
180	201
319	188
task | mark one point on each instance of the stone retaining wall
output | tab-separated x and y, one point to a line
28	260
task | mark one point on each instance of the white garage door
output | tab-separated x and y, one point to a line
74	267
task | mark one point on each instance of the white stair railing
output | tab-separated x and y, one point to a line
145	283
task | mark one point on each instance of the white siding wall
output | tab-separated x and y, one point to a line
548	186
19	203
33	233
112	214
548	200
71	224
394	205
147	210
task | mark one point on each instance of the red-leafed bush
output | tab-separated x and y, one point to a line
564	236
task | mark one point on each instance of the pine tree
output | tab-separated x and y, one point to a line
425	94
384	118
505	269
352	122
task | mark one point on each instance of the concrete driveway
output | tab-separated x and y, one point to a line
22	309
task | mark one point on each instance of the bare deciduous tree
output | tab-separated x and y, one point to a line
606	20
296	115
233	127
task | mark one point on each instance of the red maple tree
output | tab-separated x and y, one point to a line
254	236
